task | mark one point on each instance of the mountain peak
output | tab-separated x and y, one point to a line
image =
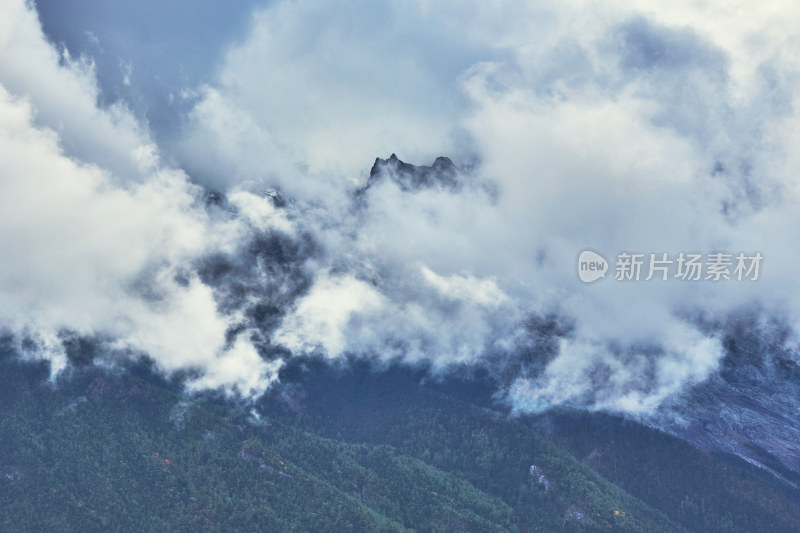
442	173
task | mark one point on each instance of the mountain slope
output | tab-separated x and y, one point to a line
699	490
347	450
125	450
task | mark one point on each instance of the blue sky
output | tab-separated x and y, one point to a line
146	51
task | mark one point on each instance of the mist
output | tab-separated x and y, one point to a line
248	230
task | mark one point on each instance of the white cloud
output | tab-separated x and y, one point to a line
322	318
335	85
627	380
86	250
466	287
77	250
601	126
65	94
621	126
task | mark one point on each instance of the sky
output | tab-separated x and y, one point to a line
613	126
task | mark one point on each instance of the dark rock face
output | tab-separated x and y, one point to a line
442	173
750	407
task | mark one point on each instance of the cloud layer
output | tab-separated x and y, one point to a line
617	127
97	236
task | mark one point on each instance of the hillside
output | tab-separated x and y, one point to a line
345	451
100	452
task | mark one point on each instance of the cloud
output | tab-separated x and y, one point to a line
92	252
631	379
86	256
322	317
465	287
652	137
620	127
337	85
621	155
65	94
